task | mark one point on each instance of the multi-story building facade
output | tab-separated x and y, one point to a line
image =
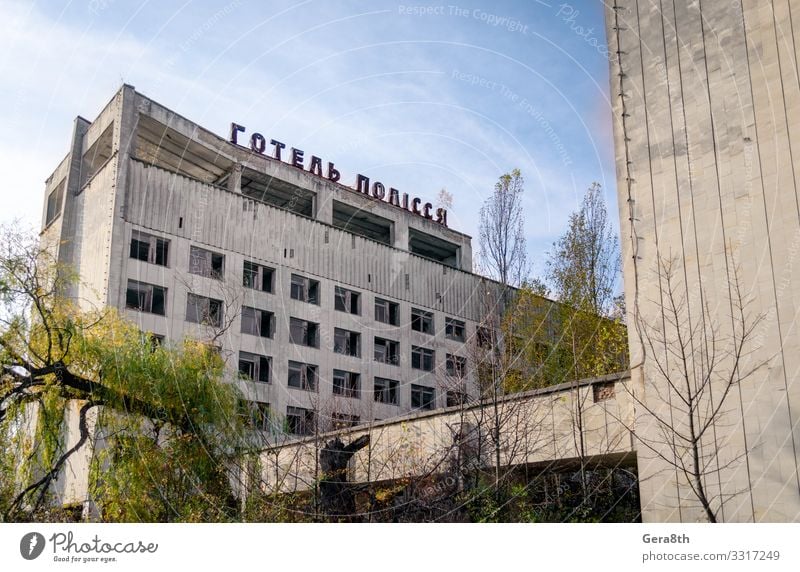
331	304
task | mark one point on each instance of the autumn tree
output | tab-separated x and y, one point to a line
157	426
502	233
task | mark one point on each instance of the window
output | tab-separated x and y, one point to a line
387	351
256	414
421	321
422	397
344	421
258	277
346	342
347	301
386	312
304	332
149	248
346	383
299	421
456	398
484	336
54	202
254	367
257	322
386	390
302	376
146	298
305	289
202	310
454	329
421	358
456	366
206	263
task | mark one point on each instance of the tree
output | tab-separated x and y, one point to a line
502	234
584	264
693	369
159	426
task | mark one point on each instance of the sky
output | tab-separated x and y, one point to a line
420	96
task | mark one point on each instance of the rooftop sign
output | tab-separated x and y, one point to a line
296	158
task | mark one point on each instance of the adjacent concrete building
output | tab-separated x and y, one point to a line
706	101
331	304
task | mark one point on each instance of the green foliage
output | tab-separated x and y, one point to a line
166	432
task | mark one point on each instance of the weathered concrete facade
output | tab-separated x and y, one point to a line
164	220
706	100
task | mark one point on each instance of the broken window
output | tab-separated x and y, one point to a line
146	298
54	202
149	248
304	332
202	310
422	397
206	263
254	367
344	421
302	376
386	312
385	390
421	358
456	366
258	277
346	342
256	414
304	289
421	321
454	329
346	383
387	351
347	301
456	398
299	421
257	322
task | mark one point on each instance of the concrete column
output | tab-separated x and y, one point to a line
235	179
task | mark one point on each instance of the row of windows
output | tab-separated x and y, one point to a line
209	311
304	376
301	421
202	262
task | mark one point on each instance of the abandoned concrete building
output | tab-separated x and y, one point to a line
330	304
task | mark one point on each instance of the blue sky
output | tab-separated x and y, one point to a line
421	96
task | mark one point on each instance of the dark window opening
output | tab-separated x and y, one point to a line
422	397
387	351
202	310
421	321
299	421
258	277
385	391
386	312
454	329
206	263
304	333
456	366
347	301
146	297
346	383
304	289
302	376
346	342
257	322
255	367
422	358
